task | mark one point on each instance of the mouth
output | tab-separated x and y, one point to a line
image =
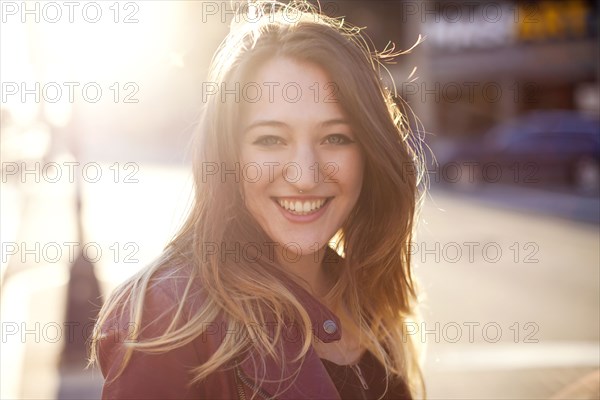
297	206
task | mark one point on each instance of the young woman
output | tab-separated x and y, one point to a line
291	277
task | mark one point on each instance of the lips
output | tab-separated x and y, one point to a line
299	206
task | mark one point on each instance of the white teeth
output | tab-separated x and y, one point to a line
302	208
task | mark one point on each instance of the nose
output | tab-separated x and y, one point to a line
303	171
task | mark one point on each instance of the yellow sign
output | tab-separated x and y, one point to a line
552	19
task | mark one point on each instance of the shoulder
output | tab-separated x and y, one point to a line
164	370
167	290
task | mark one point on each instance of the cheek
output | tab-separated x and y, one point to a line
248	183
254	191
259	168
350	172
255	179
251	171
254	200
355	183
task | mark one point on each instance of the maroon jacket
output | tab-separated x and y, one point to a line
166	375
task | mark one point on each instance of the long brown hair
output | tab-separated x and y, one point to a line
375	283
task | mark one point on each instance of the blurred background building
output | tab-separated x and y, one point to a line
491	61
100	99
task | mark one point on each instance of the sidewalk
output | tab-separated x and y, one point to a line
537	290
80	385
517	384
34	283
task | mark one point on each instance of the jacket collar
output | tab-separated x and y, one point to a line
312	379
325	324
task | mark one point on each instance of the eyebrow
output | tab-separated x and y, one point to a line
280	124
335	121
267	123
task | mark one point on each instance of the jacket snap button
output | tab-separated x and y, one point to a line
329	326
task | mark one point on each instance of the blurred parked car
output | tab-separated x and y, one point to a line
541	148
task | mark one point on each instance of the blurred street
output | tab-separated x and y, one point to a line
516	317
37	256
556	202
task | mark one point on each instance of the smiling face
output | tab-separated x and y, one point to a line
299	136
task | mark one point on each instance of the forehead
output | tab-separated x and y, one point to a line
290	90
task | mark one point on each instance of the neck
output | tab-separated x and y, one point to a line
309	268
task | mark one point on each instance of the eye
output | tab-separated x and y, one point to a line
338	139
267	140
